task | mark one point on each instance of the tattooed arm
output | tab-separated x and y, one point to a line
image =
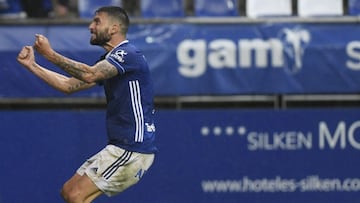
60	82
100	71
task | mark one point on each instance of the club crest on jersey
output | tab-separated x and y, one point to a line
119	55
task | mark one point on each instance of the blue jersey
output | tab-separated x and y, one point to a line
129	95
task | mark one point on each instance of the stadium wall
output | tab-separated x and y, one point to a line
230	156
220	147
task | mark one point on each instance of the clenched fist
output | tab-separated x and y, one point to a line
42	45
26	56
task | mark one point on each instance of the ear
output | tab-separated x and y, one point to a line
115	28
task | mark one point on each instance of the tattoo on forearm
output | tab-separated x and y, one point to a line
77	86
103	69
69	66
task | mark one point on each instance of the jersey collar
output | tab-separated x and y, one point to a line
121	43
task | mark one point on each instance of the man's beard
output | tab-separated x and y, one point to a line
100	39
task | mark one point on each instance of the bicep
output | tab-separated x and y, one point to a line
104	70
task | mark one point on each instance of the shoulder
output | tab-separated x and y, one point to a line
123	52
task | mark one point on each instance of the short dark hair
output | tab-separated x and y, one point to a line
118	14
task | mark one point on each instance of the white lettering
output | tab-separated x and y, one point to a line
353	51
191	54
261	48
279	141
150	127
351	135
195	55
324	135
222	54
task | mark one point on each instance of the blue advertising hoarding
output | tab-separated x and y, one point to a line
211	156
208	59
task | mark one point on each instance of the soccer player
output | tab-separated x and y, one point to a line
124	73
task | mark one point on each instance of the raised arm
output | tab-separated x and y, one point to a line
100	71
58	81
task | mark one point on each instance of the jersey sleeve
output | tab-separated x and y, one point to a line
122	59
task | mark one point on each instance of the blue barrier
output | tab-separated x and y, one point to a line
205	155
204	59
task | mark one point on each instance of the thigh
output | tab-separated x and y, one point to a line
83	187
114	169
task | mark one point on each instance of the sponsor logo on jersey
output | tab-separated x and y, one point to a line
119	55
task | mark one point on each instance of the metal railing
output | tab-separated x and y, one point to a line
192	102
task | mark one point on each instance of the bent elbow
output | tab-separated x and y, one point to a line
66	91
89	78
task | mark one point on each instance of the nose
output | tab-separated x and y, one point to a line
91	27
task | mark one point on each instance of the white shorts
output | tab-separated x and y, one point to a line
114	169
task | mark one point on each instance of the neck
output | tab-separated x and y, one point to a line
115	40
108	46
